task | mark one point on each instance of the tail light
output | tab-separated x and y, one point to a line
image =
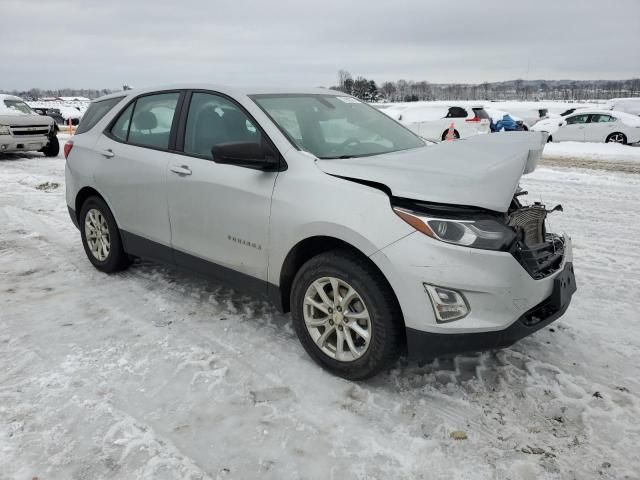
67	148
474	119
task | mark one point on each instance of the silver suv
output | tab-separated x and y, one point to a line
374	240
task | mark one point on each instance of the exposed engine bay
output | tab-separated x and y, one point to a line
537	250
521	231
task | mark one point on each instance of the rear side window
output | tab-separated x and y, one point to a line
481	113
147	121
95	112
457	112
120	129
601	118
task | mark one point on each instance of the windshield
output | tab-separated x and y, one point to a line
333	126
18	105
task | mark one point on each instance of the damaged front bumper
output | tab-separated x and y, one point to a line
507	300
425	346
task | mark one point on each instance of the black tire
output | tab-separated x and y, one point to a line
550	139
622	136
456	135
52	149
387	326
117	259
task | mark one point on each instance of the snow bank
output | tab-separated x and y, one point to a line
601	152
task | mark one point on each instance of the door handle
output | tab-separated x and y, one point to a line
108	153
181	170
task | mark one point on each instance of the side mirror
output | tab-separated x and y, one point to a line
246	154
561	124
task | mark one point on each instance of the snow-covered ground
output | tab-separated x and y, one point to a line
157	374
586	151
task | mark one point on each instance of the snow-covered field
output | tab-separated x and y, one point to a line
157	374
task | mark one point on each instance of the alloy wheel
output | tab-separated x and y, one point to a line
96	231
337	319
617	138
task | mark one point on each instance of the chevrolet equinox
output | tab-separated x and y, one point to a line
375	240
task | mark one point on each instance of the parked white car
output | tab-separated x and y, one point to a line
22	129
553	121
627	105
432	121
595	126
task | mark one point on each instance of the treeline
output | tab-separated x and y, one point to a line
410	91
36	93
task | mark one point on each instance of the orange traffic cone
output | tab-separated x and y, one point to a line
451	136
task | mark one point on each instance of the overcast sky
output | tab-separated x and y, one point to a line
104	44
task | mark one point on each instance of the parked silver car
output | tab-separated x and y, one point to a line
371	238
23	130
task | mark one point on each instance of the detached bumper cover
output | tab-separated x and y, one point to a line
425	346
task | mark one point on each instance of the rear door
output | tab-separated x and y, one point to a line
136	150
219	213
574	130
599	127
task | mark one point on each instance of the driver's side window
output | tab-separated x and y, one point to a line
214	120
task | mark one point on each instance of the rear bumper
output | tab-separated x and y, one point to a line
425	346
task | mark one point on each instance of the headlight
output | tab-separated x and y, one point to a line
4	130
485	233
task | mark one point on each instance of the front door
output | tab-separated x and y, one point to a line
219	213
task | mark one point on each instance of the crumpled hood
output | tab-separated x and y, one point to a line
481	171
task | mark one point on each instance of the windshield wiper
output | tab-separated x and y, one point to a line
340	157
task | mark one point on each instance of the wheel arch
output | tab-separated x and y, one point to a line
617	132
83	194
310	247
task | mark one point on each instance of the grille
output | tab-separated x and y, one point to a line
29	130
542	259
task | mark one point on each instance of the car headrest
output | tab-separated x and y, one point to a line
145	121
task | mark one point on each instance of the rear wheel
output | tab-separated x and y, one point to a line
345	315
617	137
52	148
101	237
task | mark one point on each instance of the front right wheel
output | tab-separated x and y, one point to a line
346	315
